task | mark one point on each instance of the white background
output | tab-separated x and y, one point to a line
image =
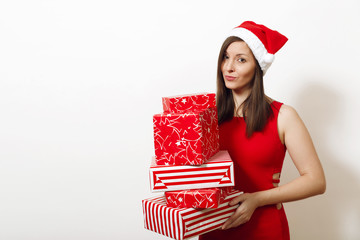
80	81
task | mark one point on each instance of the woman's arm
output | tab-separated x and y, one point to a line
293	133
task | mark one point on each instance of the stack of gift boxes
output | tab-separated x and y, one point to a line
188	167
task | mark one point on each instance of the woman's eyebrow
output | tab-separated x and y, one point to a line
238	54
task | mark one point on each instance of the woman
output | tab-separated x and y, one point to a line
257	131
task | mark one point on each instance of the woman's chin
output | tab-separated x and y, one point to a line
230	85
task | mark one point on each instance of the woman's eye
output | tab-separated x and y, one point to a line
226	57
242	60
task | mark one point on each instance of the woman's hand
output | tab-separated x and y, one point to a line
248	204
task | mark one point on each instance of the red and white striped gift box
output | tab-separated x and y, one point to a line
218	171
185	223
188	102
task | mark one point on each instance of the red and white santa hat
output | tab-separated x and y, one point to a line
262	41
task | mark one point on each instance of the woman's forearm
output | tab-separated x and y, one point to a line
302	187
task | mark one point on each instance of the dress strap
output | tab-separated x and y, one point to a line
273	121
276	106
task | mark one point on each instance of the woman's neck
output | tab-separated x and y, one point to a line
239	98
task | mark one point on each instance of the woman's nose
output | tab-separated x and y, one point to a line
228	66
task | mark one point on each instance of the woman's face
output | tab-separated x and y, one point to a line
238	67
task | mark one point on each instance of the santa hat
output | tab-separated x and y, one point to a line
262	41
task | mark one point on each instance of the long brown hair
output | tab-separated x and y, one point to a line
255	109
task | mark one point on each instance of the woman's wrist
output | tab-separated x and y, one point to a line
260	198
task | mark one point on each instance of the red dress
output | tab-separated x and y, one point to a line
256	159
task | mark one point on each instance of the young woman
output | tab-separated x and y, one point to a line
257	131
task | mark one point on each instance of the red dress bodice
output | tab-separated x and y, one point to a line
256	160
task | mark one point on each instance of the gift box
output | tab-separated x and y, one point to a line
188	102
185	223
186	138
197	198
218	171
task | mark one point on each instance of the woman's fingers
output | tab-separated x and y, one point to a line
235	220
238	199
230	221
244	212
233	217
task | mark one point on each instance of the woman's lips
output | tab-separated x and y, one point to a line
230	78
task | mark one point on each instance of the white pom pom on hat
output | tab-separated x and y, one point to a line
262	41
269	58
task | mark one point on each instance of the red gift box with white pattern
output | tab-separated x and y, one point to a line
184	223
186	138
197	198
188	102
218	171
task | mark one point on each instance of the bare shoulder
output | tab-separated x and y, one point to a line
287	110
289	121
287	114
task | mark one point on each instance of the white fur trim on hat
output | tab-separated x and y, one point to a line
257	47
